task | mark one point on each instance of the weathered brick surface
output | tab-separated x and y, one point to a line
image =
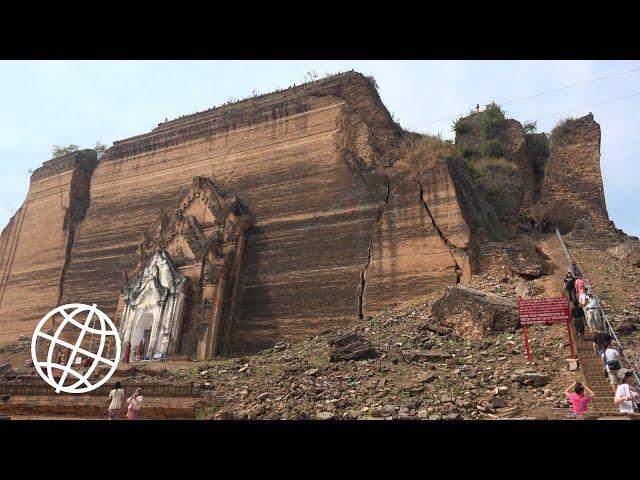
345	224
511	139
33	246
572	186
302	175
80	406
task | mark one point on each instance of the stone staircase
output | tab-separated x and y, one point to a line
591	366
35	399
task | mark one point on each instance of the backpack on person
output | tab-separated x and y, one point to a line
613	364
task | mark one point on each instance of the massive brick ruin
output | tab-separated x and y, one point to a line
350	215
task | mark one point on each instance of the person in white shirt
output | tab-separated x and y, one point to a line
611	360
582	299
592	312
115	398
625	393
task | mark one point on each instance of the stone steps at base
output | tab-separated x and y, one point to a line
161	408
564	414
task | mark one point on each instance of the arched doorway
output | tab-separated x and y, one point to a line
142	332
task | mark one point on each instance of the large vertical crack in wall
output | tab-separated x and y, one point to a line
450	246
79	200
360	290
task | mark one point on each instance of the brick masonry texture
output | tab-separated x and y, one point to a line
348	218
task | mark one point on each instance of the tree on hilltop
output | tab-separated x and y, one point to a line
58	151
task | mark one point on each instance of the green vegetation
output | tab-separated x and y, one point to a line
311	76
492	148
565	123
373	82
468	152
538	149
472	168
530	127
491	164
461	125
100	149
491	120
58	151
499	179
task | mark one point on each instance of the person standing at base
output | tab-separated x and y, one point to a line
135	403
625	393
115	398
578	399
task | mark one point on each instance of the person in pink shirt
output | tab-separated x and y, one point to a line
579	401
135	403
580	285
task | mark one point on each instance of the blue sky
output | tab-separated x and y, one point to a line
46	103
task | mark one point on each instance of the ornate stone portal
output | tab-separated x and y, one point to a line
181	296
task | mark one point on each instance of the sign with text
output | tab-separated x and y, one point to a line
543	310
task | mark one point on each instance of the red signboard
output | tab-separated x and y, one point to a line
543	310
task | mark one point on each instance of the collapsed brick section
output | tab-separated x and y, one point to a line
572	188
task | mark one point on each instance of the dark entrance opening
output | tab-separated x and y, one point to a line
146	337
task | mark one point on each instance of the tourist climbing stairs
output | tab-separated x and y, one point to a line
602	405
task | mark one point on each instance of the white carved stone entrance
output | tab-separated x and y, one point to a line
153	309
183	290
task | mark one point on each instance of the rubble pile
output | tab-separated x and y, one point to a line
470	312
399	365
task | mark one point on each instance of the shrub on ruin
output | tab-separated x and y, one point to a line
100	149
565	124
311	76
373	82
58	151
468	152
537	145
491	120
492	148
500	180
497	164
472	168
422	151
461	125
530	127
